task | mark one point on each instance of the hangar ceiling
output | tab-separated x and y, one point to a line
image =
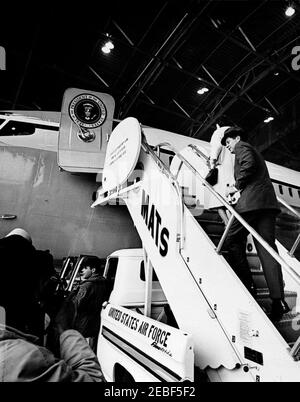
164	53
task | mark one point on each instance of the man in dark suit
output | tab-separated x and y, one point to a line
258	206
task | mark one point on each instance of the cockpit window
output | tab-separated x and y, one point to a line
1	121
17	128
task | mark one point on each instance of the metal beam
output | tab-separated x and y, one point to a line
201	130
136	48
167	47
260	56
169	111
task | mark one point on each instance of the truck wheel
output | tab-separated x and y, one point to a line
122	375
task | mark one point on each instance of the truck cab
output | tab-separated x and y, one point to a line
133	344
125	273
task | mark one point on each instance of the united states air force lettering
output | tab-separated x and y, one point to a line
153	222
158	336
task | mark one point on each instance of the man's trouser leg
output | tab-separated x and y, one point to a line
236	245
264	224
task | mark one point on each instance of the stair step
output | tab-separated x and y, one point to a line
189	200
264	300
215	238
287	217
211	215
259	279
254	262
289	327
210	223
211	227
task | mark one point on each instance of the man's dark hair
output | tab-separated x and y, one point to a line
97	263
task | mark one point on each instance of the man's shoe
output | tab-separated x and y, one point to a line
279	307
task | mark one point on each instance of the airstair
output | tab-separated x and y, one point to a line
234	340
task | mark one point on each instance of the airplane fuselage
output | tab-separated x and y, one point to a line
53	205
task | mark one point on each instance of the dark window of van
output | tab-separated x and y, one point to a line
17	128
291	191
280	189
143	276
112	268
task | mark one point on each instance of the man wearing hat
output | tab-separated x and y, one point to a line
258	206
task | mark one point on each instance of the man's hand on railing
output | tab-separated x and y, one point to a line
232	194
230	190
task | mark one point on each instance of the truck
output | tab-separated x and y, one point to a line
133	346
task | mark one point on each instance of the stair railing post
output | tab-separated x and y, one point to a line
281	200
148	288
295	245
293	249
223	238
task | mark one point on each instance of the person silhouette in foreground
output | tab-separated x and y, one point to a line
22	357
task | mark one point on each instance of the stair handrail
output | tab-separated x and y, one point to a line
288	206
175	183
297	241
266	246
249	228
280	200
164	169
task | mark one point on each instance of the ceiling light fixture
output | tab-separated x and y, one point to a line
105	50
202	91
108	46
268	119
290	10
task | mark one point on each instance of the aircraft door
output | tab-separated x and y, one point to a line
86	123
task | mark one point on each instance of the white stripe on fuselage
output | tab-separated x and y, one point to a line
286	181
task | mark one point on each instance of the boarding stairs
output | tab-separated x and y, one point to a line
213	225
234	340
287	233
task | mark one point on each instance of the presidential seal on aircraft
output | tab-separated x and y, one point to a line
88	112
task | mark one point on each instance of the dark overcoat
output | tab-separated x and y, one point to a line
88	299
252	180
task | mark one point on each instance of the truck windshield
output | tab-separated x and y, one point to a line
112	268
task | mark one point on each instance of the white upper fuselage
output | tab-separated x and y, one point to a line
41	195
286	181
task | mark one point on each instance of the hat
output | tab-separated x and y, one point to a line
20	232
231	131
